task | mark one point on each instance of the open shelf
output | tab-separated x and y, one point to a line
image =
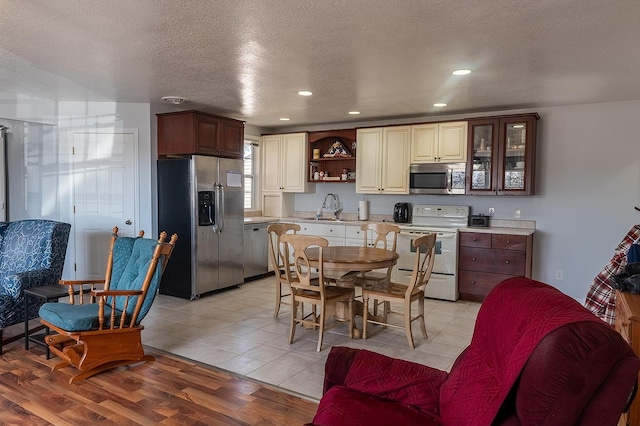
322	141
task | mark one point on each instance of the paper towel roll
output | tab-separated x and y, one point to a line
363	210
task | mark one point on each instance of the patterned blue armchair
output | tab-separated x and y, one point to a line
32	254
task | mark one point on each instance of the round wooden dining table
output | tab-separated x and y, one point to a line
340	260
343	262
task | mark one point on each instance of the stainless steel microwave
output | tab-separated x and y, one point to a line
438	178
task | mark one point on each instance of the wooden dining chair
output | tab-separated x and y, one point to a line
405	294
304	290
276	253
377	235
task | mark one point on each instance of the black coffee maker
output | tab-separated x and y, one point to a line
401	212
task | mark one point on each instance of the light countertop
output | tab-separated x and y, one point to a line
261	219
509	227
499	230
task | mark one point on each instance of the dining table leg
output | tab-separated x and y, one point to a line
342	310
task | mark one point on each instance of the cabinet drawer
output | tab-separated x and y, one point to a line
507	262
509	242
475	239
478	283
354	232
322	230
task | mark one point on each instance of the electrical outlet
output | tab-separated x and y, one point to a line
559	274
517	215
491	211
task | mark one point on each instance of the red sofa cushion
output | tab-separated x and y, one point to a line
409	383
348	407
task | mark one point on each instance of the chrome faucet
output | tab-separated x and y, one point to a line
337	209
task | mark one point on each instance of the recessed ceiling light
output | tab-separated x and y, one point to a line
440	105
284	119
175	100
305	93
461	72
354	112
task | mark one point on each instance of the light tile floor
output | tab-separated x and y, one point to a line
235	330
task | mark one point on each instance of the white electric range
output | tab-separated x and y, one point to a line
445	222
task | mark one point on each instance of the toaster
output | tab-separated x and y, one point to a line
401	212
479	220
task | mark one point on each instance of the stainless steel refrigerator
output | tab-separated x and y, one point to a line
201	199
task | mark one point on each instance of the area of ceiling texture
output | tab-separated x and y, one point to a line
247	59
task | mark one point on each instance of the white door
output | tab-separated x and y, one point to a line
105	194
3	171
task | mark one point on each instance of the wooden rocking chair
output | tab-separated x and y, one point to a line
100	329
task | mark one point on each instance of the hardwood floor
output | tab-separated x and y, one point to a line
168	391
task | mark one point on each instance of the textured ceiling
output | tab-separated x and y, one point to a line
247	59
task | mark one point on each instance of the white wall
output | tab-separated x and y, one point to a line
27	108
587	184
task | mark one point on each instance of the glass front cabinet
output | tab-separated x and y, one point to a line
501	156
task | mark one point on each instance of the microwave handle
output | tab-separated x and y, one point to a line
449	181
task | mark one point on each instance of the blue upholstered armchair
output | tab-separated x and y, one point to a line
32	254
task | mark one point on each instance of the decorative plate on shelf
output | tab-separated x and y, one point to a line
336	150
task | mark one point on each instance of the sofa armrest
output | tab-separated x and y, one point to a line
406	382
13	284
337	366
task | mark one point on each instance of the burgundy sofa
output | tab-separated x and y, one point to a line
536	357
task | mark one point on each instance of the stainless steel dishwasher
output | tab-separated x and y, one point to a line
256	249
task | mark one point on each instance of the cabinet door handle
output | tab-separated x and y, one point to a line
473	282
508	241
506	261
473	258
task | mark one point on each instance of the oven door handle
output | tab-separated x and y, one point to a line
446	236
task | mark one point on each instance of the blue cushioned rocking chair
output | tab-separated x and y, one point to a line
101	330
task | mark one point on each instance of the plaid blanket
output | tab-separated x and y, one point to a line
601	298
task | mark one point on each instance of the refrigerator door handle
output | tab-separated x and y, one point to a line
219	210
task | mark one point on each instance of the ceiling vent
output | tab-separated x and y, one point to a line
175	100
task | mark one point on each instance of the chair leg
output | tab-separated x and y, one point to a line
294	311
321	321
278	295
423	325
351	324
365	315
407	322
315	317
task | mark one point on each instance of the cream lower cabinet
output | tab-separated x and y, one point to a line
382	163
439	142
335	234
284	159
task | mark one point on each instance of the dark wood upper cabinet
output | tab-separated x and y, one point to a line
194	132
501	155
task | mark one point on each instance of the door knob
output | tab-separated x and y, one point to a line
128	222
